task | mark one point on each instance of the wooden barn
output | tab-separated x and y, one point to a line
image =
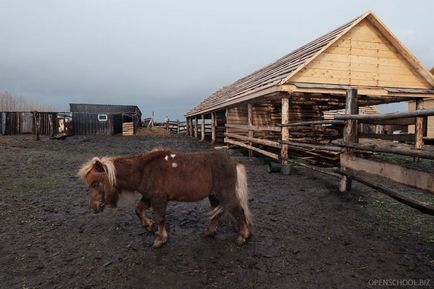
279	110
104	119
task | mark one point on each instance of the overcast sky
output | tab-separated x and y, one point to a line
166	56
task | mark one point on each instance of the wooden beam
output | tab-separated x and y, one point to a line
419	126
250	124
213	126
394	115
255	140
350	133
196	126
285	130
202	128
314	122
312	146
351	108
423	207
401	151
261	151
410	177
397	137
254	127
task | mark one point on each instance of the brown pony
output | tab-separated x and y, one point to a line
163	175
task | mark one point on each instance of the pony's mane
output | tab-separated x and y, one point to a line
108	165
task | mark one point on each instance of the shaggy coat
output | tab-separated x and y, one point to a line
164	175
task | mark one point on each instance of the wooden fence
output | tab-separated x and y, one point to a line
349	159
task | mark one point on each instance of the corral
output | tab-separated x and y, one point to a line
307	235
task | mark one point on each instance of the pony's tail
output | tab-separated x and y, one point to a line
242	193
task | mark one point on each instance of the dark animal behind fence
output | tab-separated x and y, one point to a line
164	175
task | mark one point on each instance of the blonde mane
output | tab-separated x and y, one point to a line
108	165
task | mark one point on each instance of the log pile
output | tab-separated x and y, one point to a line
128	128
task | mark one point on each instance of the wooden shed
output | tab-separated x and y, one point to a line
257	111
105	119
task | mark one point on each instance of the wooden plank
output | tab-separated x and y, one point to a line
196	126
398	137
401	151
202	128
285	130
261	151
213	126
351	108
312	146
255	140
419	126
254	127
314	122
424	207
394	115
410	177
250	124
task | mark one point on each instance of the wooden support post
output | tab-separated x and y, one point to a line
37	122
213	126
195	127
418	132
286	169
202	128
250	123
350	133
187	121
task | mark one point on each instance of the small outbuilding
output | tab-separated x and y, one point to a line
105	119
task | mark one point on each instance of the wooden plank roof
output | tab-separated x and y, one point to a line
279	72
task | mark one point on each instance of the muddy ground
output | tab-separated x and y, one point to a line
307	235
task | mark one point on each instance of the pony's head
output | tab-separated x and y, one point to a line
100	176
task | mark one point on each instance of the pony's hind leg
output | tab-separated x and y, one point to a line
238	213
141	207
159	208
215	218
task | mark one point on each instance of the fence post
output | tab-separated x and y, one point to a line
350	134
202	127
250	124
286	168
418	131
213	126
195	127
37	122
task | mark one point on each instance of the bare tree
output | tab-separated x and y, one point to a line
10	102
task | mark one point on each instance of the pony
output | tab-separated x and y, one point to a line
164	175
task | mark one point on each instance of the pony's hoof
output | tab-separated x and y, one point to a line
240	241
159	243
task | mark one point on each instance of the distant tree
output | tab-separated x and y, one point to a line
10	102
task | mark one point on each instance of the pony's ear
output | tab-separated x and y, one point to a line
99	167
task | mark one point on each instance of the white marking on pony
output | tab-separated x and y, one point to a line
174	165
166	157
172	156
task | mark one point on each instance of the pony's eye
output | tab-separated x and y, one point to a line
94	185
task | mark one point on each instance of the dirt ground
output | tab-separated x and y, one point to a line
306	235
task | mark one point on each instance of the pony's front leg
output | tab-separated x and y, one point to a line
142	206
159	208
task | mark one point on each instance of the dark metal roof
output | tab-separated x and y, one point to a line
104	108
